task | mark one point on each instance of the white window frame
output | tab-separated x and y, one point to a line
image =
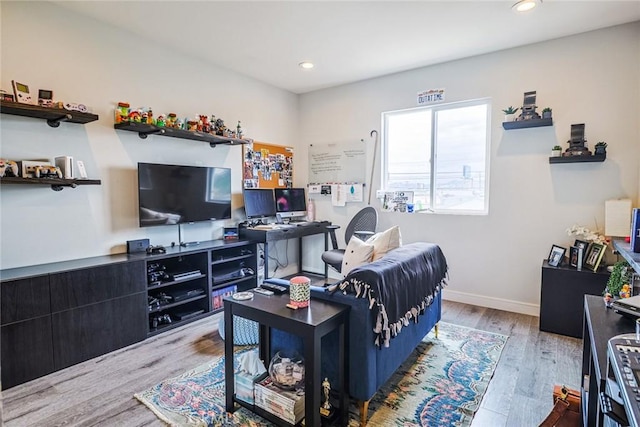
434	162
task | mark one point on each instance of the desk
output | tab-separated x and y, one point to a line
276	234
311	323
600	324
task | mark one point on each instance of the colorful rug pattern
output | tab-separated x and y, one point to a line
441	384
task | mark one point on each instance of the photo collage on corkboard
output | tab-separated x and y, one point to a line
267	166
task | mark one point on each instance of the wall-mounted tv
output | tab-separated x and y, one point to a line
173	194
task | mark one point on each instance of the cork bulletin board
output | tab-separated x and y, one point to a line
267	165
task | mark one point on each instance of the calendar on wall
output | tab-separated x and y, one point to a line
267	165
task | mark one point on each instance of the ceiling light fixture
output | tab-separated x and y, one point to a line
525	5
306	65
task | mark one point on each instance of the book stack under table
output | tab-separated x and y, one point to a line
287	405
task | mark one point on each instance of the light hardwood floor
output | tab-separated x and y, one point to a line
99	392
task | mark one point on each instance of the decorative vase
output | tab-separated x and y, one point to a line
299	291
287	370
546	114
556	153
600	150
509	117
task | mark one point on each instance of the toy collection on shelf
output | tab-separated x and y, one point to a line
203	123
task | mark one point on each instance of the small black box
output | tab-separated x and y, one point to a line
135	246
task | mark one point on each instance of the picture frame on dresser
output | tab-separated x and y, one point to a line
581	244
594	256
556	256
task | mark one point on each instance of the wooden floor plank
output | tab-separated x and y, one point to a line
99	392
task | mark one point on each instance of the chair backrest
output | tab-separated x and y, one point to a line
365	220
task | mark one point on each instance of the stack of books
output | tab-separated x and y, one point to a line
287	405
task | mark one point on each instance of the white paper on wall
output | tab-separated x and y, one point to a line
338	195
354	192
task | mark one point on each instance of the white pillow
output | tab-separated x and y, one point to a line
385	241
356	254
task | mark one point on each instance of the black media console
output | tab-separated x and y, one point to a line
60	314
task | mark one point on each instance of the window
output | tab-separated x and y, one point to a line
441	154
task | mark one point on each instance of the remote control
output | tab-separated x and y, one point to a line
263	291
275	288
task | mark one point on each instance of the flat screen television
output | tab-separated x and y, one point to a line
290	202
259	203
173	194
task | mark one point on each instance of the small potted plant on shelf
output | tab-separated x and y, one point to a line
509	113
546	113
556	151
618	284
601	148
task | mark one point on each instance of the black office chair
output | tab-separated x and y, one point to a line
362	225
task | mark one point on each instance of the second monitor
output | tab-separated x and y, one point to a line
290	203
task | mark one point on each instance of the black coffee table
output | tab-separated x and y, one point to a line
311	324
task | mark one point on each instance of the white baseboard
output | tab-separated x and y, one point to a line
491	302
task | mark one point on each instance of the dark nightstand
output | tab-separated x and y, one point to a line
562	297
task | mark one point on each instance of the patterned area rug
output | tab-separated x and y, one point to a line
441	384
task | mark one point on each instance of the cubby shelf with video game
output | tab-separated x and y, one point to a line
145	129
53	116
232	270
177	290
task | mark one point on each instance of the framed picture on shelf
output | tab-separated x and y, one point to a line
584	245
574	254
556	255
594	256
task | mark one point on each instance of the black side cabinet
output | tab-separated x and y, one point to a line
562	297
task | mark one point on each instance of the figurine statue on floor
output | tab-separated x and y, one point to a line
326	410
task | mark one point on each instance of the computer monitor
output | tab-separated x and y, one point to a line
290	202
259	203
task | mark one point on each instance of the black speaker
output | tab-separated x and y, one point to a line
135	246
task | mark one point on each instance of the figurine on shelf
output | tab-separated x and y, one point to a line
135	116
122	112
150	117
220	127
179	124
161	121
206	125
528	110
192	125
144	117
238	130
171	120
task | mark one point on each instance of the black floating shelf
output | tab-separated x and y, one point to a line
532	123
56	184
53	116
144	129
578	159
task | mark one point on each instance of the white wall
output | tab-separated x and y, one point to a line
85	61
495	260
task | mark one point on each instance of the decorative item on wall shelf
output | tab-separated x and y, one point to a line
601	147
546	113
556	151
578	151
510	114
528	110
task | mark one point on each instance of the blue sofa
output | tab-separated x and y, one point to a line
407	281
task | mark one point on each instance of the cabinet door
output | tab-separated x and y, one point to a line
24	299
27	352
92	330
92	285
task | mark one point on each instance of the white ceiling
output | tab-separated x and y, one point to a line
347	40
